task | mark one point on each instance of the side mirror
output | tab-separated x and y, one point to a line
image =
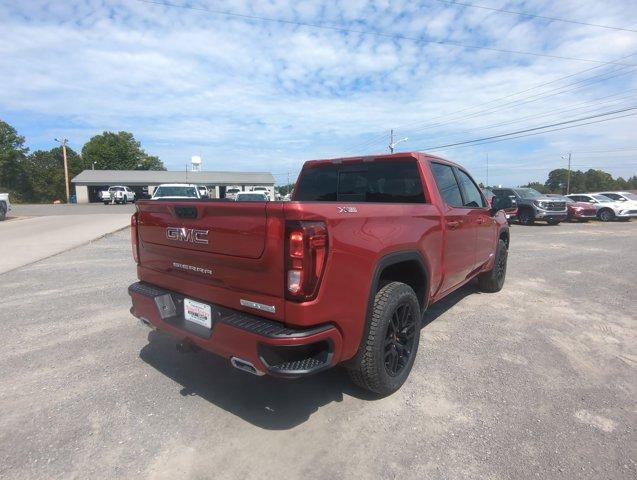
500	202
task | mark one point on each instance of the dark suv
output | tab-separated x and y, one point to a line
532	205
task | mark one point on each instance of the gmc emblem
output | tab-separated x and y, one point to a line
192	235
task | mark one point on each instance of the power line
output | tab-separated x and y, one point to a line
527	130
534	98
342	29
379	138
532	15
593	104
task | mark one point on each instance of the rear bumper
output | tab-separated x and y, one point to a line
271	347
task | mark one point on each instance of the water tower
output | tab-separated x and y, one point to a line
195	162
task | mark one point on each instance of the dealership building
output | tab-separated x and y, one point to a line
89	183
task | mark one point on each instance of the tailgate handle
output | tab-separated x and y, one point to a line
186	212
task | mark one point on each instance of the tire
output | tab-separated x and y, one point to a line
106	203
388	350
125	200
605	215
553	222
526	217
3	211
493	280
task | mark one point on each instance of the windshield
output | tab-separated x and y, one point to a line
116	189
528	193
259	189
177	191
250	197
233	190
602	198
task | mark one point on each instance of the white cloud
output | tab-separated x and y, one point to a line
270	94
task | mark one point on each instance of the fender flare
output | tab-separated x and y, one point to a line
382	263
392	259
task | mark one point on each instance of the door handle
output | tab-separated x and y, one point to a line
453	225
480	220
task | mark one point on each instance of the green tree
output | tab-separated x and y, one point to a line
118	151
45	172
285	189
12	156
556	180
597	180
537	186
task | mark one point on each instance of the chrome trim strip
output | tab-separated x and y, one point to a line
258	306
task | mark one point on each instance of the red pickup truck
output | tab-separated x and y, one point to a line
343	273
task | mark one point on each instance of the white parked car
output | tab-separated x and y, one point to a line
176	191
607	208
117	194
252	197
204	192
5	205
628	199
265	190
231	192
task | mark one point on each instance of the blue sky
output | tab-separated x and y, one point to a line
254	95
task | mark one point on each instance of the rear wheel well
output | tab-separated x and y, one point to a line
409	272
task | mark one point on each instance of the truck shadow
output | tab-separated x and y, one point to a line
266	402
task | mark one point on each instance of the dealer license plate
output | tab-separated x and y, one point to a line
197	312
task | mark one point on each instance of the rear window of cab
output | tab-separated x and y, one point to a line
393	181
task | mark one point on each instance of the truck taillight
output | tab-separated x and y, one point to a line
133	237
305	255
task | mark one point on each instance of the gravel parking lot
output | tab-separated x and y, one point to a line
537	381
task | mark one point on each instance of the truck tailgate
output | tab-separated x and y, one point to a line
222	252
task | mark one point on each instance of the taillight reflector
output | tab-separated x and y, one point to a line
305	256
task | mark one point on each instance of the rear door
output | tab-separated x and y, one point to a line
459	250
478	214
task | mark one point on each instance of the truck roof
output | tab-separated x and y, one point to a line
377	157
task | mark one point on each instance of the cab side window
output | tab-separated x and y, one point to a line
472	196
447	184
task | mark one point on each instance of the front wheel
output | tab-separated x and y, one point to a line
389	347
493	280
3	212
526	217
553	222
606	215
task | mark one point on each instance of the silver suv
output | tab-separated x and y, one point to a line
532	205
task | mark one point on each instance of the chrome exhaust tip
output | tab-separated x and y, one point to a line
246	366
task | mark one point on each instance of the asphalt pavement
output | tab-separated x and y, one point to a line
25	240
46	210
537	381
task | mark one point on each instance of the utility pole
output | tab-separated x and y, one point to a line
64	142
487	185
568	174
393	144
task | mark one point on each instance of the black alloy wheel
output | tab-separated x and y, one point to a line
399	339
